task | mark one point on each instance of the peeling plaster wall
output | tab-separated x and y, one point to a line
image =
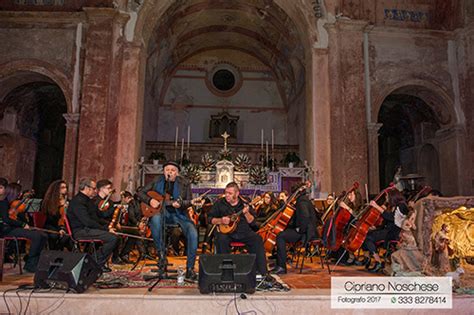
55	46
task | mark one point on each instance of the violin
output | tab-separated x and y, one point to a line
19	205
279	220
104	205
117	211
62	213
367	218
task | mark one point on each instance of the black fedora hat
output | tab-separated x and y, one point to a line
172	163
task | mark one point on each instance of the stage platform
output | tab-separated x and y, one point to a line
309	294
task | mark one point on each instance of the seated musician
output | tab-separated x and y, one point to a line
11	226
393	214
105	210
179	190
220	214
282	198
353	205
266	208
53	208
302	227
3	187
85	224
130	224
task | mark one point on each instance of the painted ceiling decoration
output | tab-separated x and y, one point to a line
256	27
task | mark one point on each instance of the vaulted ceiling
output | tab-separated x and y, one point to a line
257	27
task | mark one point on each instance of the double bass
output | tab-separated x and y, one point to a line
368	217
279	220
338	222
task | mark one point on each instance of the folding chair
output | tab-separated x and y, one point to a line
88	243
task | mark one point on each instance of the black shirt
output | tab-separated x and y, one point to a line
5	219
304	218
222	208
82	213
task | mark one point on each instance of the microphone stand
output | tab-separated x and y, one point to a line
163	259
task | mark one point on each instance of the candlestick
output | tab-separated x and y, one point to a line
261	141
189	137
182	149
266	155
273	140
176	142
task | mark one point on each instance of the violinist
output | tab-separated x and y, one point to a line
393	212
130	224
266	207
54	207
105	206
220	214
17	228
302	227
105	210
85	224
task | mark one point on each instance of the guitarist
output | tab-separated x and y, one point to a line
178	190
244	232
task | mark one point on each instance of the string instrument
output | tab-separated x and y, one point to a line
146	238
143	228
194	211
117	211
339	221
104	205
62	213
235	217
19	206
45	230
423	191
366	219
166	200
278	221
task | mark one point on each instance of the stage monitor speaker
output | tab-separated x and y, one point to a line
66	270
227	273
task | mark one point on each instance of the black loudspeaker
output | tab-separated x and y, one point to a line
226	273
66	270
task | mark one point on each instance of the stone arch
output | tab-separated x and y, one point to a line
410	86
440	133
19	72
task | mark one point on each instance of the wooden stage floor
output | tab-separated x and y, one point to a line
309	294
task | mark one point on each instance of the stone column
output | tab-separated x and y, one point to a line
131	115
319	128
70	150
98	62
348	117
373	157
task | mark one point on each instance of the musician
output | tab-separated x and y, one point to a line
268	205
131	208
282	198
179	190
302	227
393	214
85	224
17	228
53	208
105	210
3	186
220	214
105	206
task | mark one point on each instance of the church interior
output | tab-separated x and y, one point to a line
266	94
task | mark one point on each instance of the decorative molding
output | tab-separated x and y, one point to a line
72	119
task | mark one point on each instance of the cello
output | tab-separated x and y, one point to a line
338	222
279	220
368	217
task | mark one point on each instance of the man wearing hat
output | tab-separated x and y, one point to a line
179	190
